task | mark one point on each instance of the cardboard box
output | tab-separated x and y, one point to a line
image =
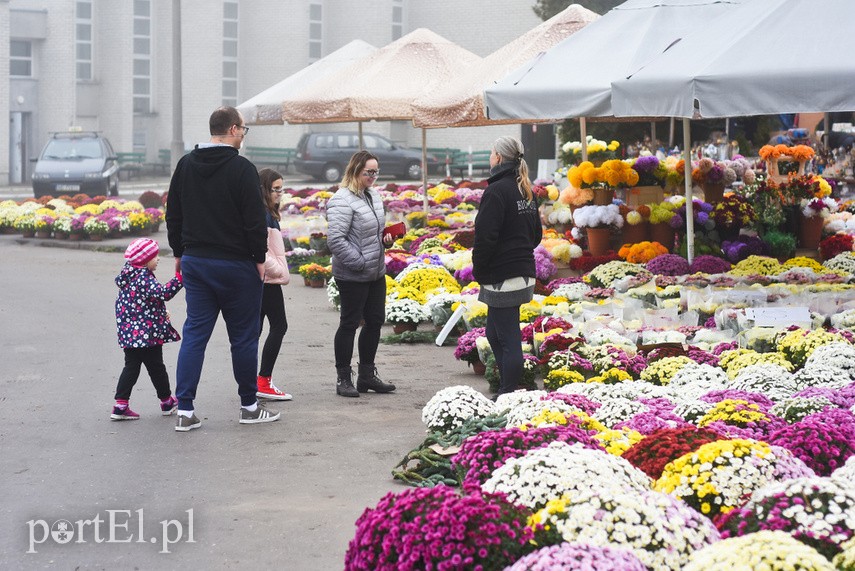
644	195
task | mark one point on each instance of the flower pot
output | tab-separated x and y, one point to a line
810	231
663	233
61	235
479	368
96	237
399	328
317	282
633	234
598	240
28	233
75	237
43	234
713	192
603	196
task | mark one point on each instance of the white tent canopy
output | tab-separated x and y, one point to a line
760	66
460	101
573	79
266	107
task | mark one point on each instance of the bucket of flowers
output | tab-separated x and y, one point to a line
598	220
603	180
314	275
814	211
713	177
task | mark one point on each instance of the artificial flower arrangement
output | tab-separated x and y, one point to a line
635	216
713	172
771	154
571	151
595	216
675	172
651	171
313	272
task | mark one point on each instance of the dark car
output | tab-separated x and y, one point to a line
76	162
324	156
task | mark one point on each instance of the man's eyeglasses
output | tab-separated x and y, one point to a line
244	127
371	173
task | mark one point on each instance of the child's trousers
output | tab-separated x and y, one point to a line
152	358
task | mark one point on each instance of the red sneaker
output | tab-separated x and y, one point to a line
123	413
267	390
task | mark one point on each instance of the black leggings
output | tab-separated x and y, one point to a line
503	333
273	308
360	300
152	358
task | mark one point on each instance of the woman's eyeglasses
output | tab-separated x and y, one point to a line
279	190
371	173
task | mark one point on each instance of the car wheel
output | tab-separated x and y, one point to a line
414	170
332	172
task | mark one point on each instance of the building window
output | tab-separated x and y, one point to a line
142	56
316	31
230	53
83	39
397	19
20	58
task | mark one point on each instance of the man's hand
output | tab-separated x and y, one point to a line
177	265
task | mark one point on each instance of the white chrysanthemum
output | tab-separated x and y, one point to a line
523	411
773	381
845	475
696	379
616	410
662	531
558	469
573	292
452	406
826	375
692	410
794	409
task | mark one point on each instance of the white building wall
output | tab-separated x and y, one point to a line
4	91
272	44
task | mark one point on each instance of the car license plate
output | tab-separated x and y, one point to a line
68	187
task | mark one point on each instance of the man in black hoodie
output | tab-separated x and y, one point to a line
217	231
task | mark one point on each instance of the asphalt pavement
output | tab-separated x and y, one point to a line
80	491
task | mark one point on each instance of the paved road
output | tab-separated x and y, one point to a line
283	495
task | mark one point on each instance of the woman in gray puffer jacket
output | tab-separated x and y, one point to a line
355	238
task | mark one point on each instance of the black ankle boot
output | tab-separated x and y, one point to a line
367	380
344	382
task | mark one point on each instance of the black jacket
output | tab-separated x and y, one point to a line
507	230
215	208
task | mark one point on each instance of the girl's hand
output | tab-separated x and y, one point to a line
388	240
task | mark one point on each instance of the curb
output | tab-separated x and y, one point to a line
109	246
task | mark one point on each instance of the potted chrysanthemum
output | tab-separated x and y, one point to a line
598	222
405	314
314	275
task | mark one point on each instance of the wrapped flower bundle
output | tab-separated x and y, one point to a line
437	528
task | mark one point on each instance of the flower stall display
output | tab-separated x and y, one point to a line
598	222
773	154
713	177
662	531
571	151
603	180
774	550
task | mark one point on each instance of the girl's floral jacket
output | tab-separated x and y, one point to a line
141	318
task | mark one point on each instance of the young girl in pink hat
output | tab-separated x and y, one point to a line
143	326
